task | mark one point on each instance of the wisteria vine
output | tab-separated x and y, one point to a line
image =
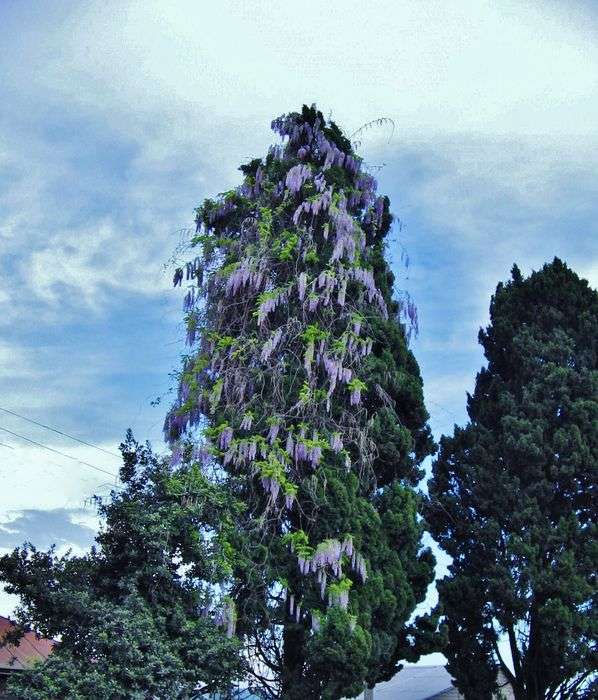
279	304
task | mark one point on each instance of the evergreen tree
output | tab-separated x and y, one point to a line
513	496
131	623
302	400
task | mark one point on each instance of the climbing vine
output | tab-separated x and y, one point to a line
279	392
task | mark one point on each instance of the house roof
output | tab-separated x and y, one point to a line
415	683
30	649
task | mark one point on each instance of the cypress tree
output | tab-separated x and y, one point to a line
513	496
300	397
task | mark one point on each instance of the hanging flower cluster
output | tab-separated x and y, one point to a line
224	616
278	309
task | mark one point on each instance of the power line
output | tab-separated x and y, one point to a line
3	444
58	452
59	432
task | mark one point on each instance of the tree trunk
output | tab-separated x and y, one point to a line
368	694
292	660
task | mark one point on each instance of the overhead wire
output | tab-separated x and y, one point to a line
58	452
59	432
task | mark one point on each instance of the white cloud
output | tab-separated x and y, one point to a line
35	479
482	205
513	68
90	263
192	87
589	271
496	103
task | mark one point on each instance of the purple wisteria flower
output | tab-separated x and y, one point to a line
271	344
355	398
244	275
221	211
336	442
176	456
189	300
272	486
301	285
290	445
342	292
315	624
202	453
225	438
366	278
247	422
252	450
314	455
296	176
273	432
341	599
301	453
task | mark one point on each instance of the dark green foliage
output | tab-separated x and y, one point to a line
338	653
307	406
513	497
129	624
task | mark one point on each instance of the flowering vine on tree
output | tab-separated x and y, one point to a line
280	392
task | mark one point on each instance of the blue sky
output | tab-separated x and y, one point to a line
118	118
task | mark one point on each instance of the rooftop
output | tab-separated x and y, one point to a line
30	649
415	683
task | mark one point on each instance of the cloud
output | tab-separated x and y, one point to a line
68	529
36	479
472	208
128	114
83	267
124	155
45	528
514	68
76	229
589	271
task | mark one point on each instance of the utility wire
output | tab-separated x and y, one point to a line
60	432
58	452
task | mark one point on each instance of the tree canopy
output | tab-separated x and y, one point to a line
300	398
513	496
138	616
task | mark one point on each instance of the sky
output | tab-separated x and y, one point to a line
119	118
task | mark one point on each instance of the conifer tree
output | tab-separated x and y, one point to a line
300	397
513	497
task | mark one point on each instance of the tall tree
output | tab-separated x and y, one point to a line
304	403
135	616
513	496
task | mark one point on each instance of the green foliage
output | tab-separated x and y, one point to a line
128	620
285	246
340	653
513	496
313	333
265	224
299	543
357	384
